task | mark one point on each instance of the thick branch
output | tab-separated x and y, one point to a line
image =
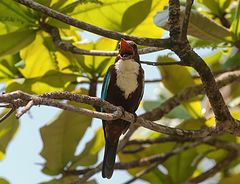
190	58
163	43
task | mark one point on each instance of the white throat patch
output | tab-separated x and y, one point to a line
127	73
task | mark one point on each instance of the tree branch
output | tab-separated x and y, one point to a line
186	19
224	120
53	31
163	43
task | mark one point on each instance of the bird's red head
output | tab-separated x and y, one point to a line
127	49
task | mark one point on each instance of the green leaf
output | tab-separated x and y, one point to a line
51	81
8	71
106	15
199	43
235	27
3	181
155	176
89	155
145	20
8	129
15	14
39	57
15	41
216	7
120	16
176	78
61	137
199	26
180	167
178	112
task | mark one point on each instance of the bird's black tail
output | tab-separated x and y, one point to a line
109	160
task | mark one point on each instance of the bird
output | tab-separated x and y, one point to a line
123	86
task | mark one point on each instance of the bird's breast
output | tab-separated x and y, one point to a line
127	73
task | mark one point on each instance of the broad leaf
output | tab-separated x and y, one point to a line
178	112
235	27
216	7
51	81
15	14
176	78
8	129
141	24
180	167
8	71
155	176
199	26
89	155
43	59
61	137
15	41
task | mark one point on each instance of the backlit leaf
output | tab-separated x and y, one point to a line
175	78
199	26
14	14
51	81
15	41
89	155
43	59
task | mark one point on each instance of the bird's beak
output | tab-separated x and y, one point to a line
126	51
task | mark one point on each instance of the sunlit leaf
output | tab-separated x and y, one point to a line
16	40
199	26
43	59
216	7
8	70
8	129
175	78
106	15
89	155
51	81
61	137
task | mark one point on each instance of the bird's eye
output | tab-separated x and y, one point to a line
134	46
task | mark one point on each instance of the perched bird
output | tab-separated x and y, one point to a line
122	86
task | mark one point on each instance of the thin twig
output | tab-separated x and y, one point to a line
162	63
7	114
25	109
186	19
142	173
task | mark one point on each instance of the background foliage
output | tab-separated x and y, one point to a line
29	61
